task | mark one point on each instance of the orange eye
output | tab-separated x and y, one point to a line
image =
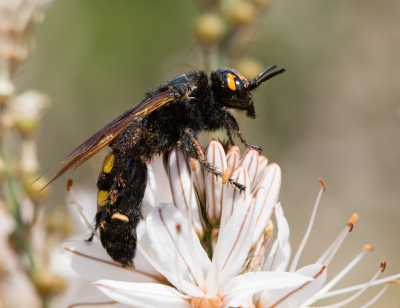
231	82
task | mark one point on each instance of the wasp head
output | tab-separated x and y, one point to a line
232	90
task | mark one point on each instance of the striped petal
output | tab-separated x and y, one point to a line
143	294
183	192
215	156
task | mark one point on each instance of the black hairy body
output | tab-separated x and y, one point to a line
175	113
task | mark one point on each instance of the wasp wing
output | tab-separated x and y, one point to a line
104	136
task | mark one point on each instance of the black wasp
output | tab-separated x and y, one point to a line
175	113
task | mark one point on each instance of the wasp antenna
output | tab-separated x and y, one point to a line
254	83
264	72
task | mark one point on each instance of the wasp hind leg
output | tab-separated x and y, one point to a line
190	144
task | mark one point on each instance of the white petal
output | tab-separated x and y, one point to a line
232	158
88	296
262	169
280	252
250	161
241	288
199	183
235	197
233	245
91	260
181	187
295	296
266	197
143	294
215	155
170	247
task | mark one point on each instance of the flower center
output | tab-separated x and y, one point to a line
202	302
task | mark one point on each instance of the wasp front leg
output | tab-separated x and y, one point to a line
233	126
190	144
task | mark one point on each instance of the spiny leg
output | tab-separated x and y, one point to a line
232	124
190	144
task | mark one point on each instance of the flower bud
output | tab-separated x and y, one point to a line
48	284
215	156
262	3
250	161
234	197
249	68
183	192
232	158
209	29
34	191
26	127
243	13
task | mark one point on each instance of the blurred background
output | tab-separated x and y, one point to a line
333	115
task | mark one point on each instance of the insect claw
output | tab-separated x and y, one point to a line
256	148
241	187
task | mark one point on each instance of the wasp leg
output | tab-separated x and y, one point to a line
193	149
230	136
232	124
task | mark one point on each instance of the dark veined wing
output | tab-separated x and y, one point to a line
103	137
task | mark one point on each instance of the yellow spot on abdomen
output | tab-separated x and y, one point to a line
102	197
120	217
108	163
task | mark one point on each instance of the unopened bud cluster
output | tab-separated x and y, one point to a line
213	201
17	21
226	27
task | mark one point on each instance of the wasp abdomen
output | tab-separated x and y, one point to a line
121	184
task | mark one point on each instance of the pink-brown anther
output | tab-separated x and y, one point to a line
69	184
368	248
383	266
322	183
351	221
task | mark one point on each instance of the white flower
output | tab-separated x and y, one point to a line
17	21
216	260
198	281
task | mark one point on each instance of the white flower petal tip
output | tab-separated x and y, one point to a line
235	197
215	156
232	158
295	296
182	188
262	169
143	294
250	161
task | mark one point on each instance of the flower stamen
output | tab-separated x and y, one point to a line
339	276
366	286
79	207
303	243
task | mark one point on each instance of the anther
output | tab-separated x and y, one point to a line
383	266
322	183
368	248
225	176
178	228
69	184
193	164
393	281
351	222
